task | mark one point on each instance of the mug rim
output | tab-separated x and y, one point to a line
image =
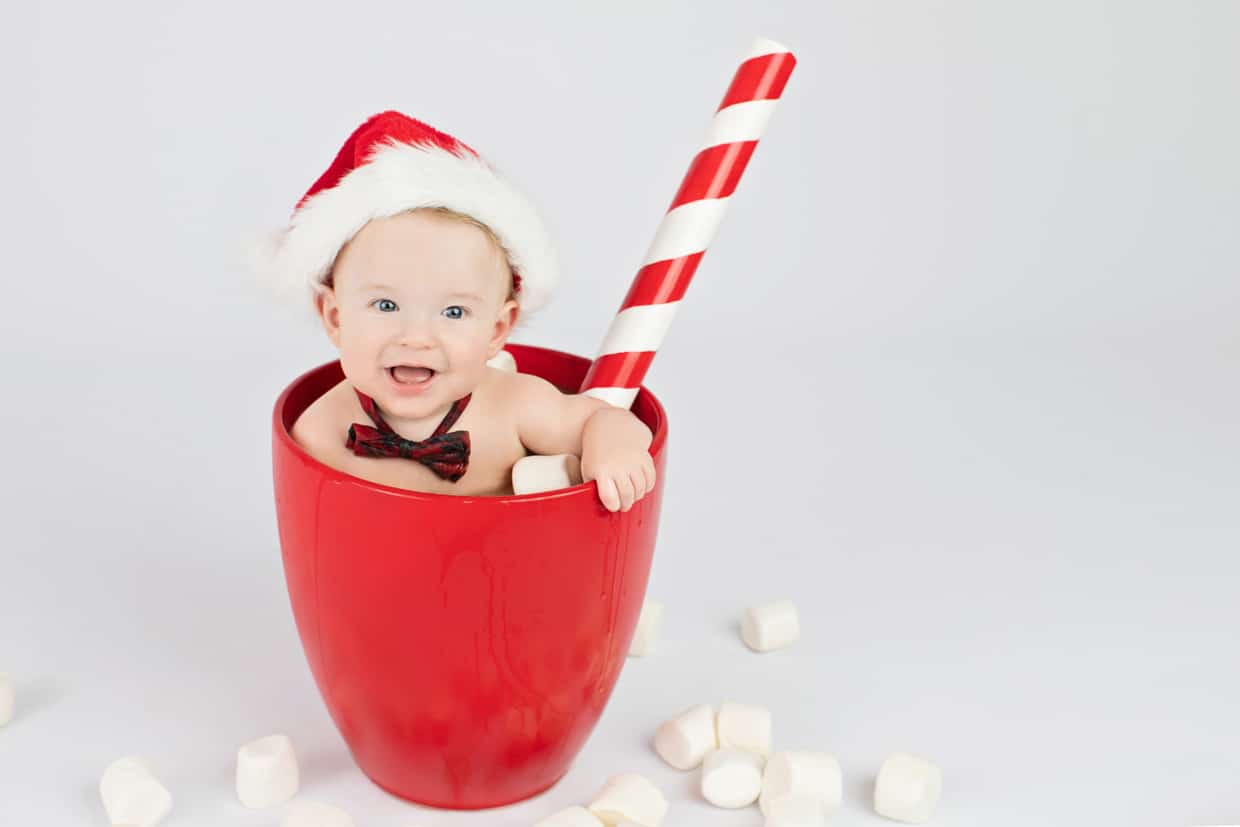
285	439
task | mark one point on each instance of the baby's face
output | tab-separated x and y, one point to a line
418	289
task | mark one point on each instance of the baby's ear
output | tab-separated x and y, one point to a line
508	314
329	311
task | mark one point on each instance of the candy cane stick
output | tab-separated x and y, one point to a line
689	225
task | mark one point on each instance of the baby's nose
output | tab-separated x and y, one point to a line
417	334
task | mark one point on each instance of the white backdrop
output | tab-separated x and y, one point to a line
980	282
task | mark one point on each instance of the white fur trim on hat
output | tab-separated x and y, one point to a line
398	177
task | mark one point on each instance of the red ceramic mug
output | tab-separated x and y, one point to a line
465	646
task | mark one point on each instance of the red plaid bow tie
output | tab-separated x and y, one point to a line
447	454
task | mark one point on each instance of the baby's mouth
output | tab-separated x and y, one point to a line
410	375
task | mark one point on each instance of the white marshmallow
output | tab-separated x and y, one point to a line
770	626
732	777
684	741
266	772
316	814
630	797
745	727
571	817
504	361
795	811
647	632
132	794
7	700
536	473
803	774
908	788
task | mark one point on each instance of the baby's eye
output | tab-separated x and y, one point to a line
385	305
454	312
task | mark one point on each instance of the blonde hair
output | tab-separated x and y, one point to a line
446	212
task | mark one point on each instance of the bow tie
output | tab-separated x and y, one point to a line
447	454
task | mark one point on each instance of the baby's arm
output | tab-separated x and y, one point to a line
614	445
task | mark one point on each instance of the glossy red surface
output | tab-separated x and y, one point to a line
464	646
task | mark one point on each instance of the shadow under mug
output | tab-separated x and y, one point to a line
465	647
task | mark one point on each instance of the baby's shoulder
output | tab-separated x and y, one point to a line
510	389
317	430
518	398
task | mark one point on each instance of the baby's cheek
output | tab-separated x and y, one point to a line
358	360
359	345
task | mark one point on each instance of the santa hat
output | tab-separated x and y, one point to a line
391	164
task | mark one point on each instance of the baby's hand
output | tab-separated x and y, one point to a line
624	476
614	445
616	453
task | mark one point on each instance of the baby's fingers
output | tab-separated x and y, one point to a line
608	494
625	486
640	489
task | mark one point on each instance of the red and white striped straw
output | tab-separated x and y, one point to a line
689	225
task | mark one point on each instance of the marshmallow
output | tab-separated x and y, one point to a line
132	795
266	772
572	817
316	814
908	788
732	777
629	797
7	699
504	361
795	811
813	775
647	632
744	727
687	739
536	473
770	626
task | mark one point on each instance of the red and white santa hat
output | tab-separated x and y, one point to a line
390	164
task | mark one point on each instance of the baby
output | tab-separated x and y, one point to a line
417	301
